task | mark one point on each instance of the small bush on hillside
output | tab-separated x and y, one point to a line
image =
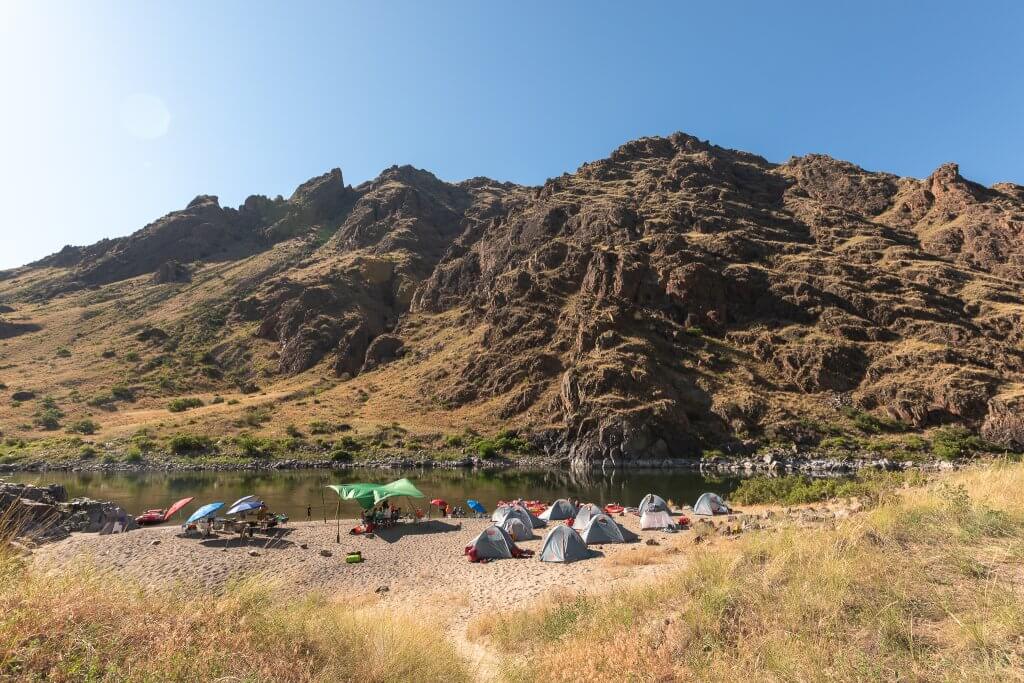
180	405
838	442
341	455
320	427
216	399
293	431
695	331
108	353
254	416
254	446
956	442
83	427
49	415
133	455
132	357
190	443
503	442
872	424
454	441
87	452
63	353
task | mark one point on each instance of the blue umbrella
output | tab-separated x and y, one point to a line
475	506
245	506
204	511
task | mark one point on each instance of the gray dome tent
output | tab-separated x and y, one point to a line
560	509
584	515
710	504
504	512
493	543
563	545
653	503
517	529
604	529
654	513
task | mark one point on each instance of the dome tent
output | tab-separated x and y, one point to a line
504	512
710	504
493	543
654	513
604	529
562	544
586	513
517	529
560	509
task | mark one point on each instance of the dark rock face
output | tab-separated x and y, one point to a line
9	329
171	271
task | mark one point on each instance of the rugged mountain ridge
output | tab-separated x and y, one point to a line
673	297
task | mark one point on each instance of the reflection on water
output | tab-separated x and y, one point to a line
291	491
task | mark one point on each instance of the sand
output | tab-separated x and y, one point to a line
413	561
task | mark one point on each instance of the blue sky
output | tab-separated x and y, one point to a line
116	113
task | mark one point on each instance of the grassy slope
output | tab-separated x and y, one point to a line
83	627
926	586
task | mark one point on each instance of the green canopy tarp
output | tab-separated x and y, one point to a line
370	495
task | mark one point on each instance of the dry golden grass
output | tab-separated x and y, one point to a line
637	556
84	626
924	587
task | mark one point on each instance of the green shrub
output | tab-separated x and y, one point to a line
133	455
63	353
254	446
953	442
216	399
341	455
132	357
454	441
504	441
293	431
838	442
695	331
87	452
872	424
48	419
254	416
190	443
320	427
800	490
83	427
180	405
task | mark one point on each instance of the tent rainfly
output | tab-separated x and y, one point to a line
586	513
603	529
517	529
654	513
493	543
710	504
560	509
563	544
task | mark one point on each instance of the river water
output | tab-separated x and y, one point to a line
291	491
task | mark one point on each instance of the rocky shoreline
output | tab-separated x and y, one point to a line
44	513
766	461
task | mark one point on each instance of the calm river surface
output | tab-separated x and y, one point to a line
291	491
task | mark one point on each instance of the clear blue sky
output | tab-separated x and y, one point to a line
116	113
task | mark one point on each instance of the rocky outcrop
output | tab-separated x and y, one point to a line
43	513
171	271
1004	421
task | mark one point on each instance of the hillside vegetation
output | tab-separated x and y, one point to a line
674	298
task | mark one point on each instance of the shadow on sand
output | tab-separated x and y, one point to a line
433	526
273	541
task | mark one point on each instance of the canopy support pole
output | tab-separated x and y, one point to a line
323	504
337	517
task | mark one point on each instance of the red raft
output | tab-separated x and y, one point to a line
150	517
613	509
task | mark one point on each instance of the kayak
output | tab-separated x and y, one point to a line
150	517
613	509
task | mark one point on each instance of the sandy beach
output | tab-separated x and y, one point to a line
421	562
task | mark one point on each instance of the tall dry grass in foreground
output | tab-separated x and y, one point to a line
926	586
83	626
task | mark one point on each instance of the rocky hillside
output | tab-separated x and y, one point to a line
673	298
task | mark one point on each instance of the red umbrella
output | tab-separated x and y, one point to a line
177	506
439	503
